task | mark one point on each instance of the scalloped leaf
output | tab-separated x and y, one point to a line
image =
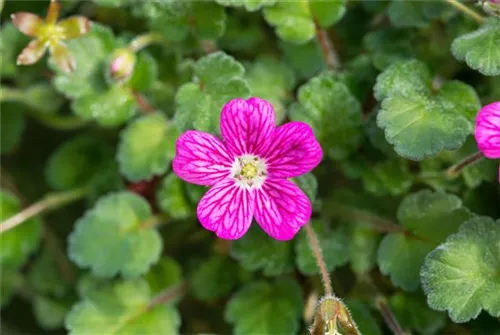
110	108
17	244
362	248
294	21
390	177
412	110
257	251
264	308
427	218
481	48
461	275
328	106
50	312
177	20
117	224
413	313
46	277
218	78
122	308
146	147
171	198
213	278
332	242
78	162
387	46
166	273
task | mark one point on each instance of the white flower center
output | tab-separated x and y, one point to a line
249	171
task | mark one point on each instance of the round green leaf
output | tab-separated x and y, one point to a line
292	20
110	108
122	308
145	73
481	48
427	218
45	276
391	177
167	273
146	147
333	112
461	276
327	12
218	78
257	251
264	308
110	238
171	198
213	278
77	163
49	312
17	244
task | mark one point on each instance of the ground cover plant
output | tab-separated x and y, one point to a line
250	167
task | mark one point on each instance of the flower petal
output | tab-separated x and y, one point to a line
32	53
27	23
63	57
247	125
201	158
53	12
227	209
74	26
488	130
293	152
281	208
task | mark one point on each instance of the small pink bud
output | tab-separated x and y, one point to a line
122	65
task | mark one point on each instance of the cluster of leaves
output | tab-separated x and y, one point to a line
129	257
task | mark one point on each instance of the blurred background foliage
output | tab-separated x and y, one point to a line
120	234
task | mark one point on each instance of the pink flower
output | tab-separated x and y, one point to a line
488	131
248	171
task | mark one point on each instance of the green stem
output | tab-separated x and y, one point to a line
154	221
329	54
389	317
11	94
455	170
467	11
49	202
318	254
58	122
140	42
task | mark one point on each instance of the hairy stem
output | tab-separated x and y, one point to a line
329	54
389	317
47	203
467	11
143	103
140	42
318	254
455	170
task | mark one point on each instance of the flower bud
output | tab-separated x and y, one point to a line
122	64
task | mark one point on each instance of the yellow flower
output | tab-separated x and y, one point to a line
50	34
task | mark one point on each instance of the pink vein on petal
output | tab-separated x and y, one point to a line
281	208
247	125
294	151
488	130
201	158
227	210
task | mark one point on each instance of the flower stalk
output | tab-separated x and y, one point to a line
318	254
329	54
389	317
467	11
455	170
49	202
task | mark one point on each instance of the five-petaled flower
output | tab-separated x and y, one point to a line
248	171
488	131
49	34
